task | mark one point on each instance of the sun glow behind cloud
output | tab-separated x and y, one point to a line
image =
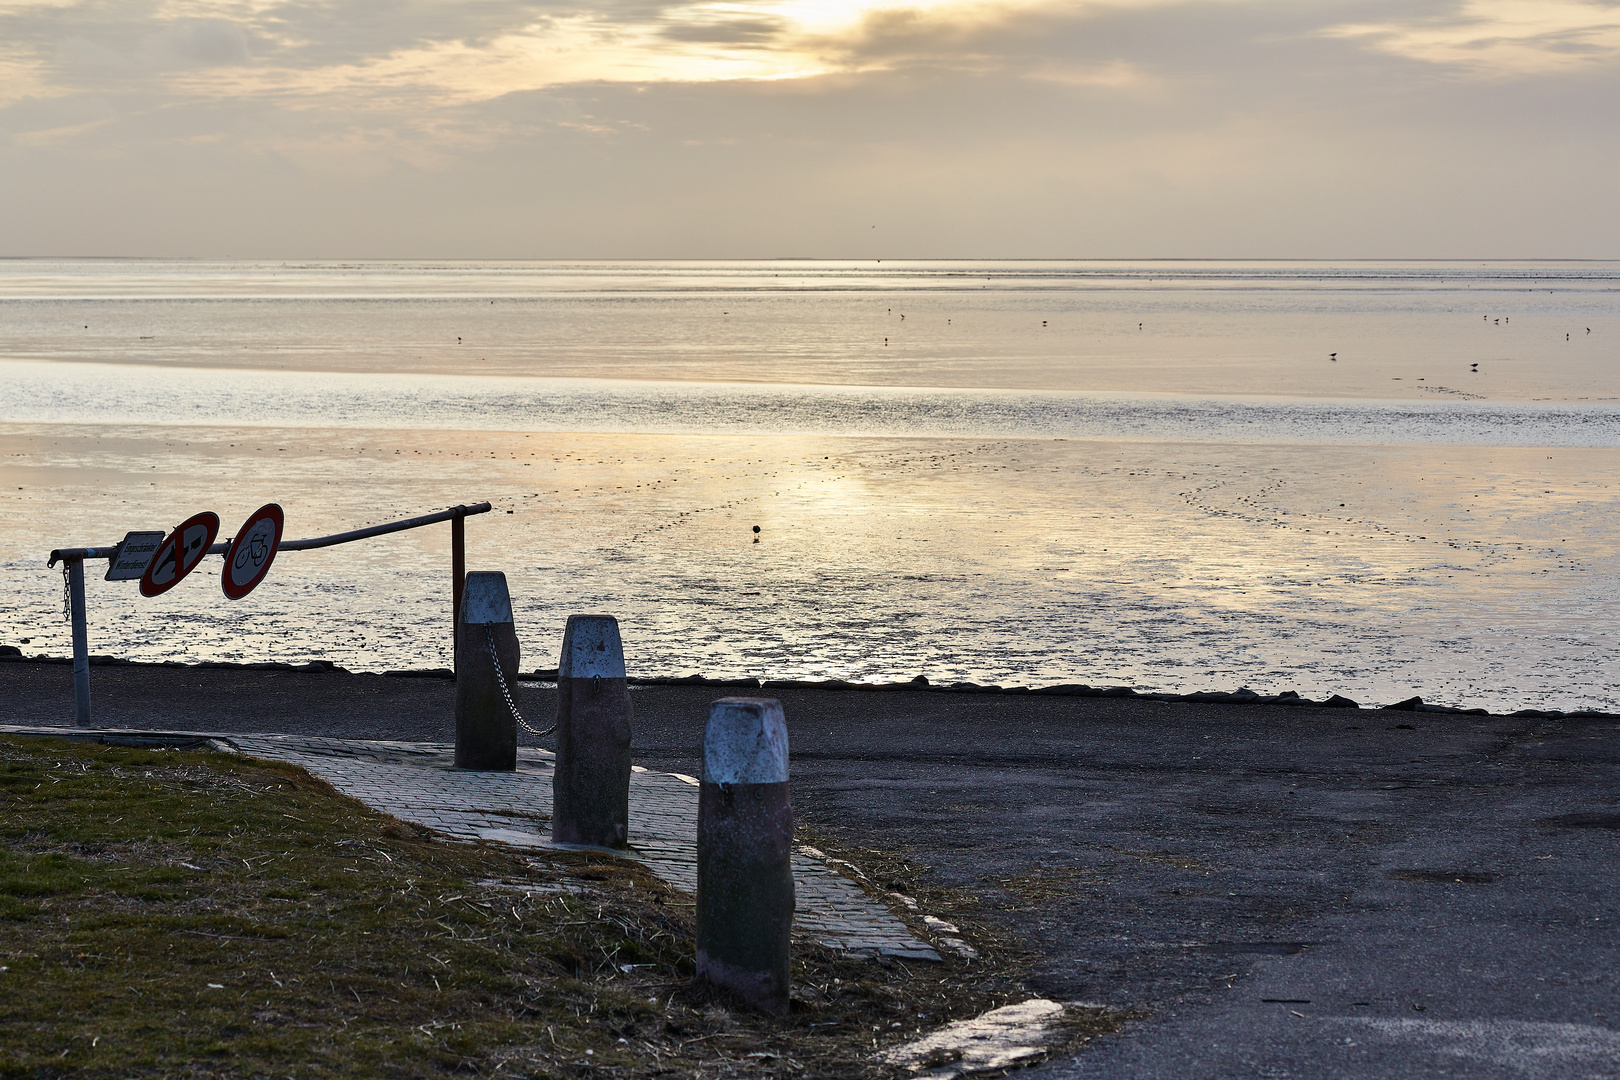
697	42
982	125
229	47
262	48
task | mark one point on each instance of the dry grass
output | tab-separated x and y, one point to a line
196	915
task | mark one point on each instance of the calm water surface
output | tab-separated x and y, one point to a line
1375	479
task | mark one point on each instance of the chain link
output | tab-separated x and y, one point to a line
500	677
67	591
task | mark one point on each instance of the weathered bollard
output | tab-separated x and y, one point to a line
486	729
744	852
590	791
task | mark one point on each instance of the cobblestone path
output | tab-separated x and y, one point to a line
417	783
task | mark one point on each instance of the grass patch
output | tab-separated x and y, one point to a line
192	914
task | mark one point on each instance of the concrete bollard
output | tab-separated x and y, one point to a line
744	853
590	791
486	730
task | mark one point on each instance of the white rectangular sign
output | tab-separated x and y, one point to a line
133	555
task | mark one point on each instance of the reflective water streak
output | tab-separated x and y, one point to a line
96	393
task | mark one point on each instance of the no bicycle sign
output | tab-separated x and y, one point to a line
252	551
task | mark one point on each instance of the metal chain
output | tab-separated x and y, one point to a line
67	592
500	677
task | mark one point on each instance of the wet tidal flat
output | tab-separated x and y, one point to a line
1472	576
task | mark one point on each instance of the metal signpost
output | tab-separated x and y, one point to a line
160	562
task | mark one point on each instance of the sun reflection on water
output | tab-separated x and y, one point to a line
1471	576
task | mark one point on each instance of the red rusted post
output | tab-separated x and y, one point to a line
744	853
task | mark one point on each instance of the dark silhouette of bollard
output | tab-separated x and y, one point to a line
590	792
486	729
744	852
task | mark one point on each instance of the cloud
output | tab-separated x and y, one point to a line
483	49
1500	37
420	54
204	43
756	32
748	127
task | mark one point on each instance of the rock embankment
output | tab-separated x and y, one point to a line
1240	696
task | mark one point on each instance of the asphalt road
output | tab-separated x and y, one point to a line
1280	892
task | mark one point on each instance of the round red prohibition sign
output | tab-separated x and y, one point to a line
252	552
179	553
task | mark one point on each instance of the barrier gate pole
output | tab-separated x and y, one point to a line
81	643
458	573
73	564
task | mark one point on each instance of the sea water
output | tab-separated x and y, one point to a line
1370	479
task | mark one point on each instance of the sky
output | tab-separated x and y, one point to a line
815	128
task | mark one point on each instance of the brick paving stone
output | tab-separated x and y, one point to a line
417	782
